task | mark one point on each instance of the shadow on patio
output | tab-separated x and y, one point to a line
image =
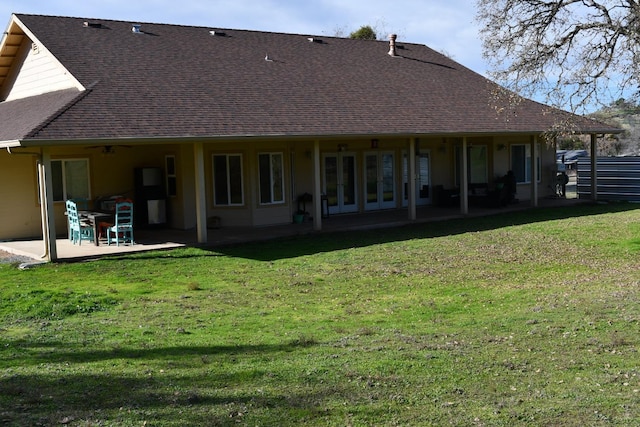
164	239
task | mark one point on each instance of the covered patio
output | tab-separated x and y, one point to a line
165	239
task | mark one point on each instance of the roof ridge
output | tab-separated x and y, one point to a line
210	27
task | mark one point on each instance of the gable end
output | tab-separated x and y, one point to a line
27	68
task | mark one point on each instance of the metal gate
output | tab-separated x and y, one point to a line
618	178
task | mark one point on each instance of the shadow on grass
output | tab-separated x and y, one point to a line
38	353
292	247
327	242
159	385
155	399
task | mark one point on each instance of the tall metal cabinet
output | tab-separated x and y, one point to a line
150	198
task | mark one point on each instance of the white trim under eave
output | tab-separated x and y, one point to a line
8	145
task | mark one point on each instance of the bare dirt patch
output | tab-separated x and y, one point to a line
9	258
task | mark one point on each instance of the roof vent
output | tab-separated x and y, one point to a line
392	45
135	28
217	33
89	24
315	40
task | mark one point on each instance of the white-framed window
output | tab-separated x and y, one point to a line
227	180
271	176
521	162
170	175
70	179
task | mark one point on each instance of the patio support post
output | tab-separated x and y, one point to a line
594	167
464	179
534	171
46	207
201	197
411	177
317	206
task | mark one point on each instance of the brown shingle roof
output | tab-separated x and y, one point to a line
181	81
22	118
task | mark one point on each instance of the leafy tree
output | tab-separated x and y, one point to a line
572	51
364	33
624	114
574	143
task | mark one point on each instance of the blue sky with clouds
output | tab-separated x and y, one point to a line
447	26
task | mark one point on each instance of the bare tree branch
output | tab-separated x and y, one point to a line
579	53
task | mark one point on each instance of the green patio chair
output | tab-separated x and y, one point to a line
122	230
78	231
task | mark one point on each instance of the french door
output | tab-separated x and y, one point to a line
379	176
340	184
423	178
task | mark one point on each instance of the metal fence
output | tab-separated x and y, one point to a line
618	178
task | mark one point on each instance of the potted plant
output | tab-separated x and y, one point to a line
298	217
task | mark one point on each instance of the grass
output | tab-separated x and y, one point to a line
529	318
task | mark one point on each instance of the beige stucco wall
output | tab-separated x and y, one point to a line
502	159
19	208
109	175
252	213
113	174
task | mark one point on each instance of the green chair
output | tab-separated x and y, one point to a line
122	230
77	230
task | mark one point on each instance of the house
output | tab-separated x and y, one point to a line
242	123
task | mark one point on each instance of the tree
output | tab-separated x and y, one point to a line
364	33
624	114
577	53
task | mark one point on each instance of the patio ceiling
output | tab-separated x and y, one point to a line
11	44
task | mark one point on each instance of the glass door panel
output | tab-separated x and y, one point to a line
371	171
379	180
388	181
349	181
423	179
331	179
340	184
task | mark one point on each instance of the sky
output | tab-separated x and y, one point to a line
446	26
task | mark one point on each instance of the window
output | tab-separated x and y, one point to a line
521	162
227	180
478	169
477	164
70	179
271	178
170	174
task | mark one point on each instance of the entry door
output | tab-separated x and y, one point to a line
423	178
340	182
379	180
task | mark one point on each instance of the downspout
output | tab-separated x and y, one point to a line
46	206
50	252
43	210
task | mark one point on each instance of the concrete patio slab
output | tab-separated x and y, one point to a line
164	239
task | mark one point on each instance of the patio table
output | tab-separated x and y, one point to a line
95	218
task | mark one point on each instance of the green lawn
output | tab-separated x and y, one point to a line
530	318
